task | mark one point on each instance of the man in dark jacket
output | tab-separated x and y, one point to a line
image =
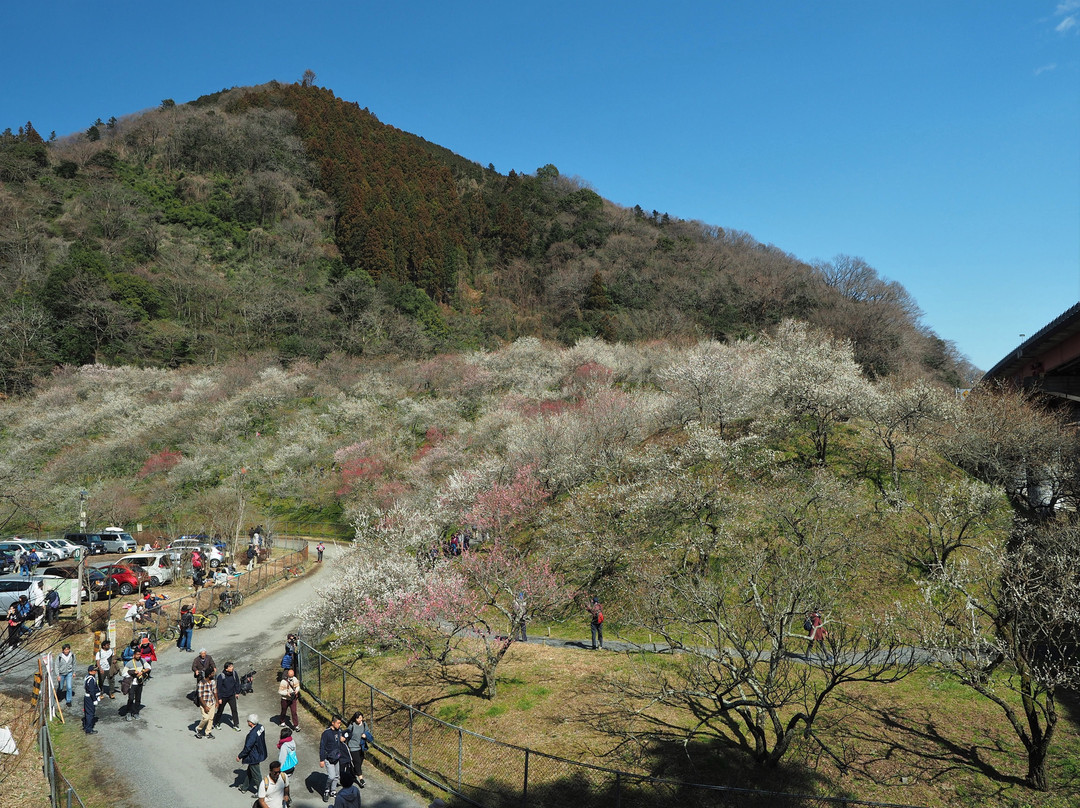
92	695
203	662
333	755
253	753
228	686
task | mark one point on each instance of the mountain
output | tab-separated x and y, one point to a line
283	219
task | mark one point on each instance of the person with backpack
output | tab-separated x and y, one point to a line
52	607
287	751
274	789
253	753
596	622
228	686
187	626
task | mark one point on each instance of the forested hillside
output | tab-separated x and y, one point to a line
280	218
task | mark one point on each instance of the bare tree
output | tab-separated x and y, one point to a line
733	611
1004	621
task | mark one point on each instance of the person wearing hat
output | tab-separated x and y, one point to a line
136	672
253	753
91	697
187	626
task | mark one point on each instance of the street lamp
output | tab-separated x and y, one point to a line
83	495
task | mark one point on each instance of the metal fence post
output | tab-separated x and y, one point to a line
371	702
618	789
410	733
460	735
318	655
525	784
342	713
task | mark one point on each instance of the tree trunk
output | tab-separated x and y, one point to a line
1036	774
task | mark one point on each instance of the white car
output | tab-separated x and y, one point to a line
159	565
182	547
46	555
62	548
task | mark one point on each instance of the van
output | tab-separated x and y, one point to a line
93	542
117	541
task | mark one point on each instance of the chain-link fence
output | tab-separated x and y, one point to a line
61	792
484	772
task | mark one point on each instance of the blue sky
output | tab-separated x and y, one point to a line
938	140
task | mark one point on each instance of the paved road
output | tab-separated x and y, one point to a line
165	765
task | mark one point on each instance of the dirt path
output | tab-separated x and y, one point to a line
165	765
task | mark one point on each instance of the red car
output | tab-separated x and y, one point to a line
127	579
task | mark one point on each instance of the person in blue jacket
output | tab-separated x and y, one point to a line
253	753
91	697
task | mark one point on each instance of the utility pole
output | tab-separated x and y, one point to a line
82	557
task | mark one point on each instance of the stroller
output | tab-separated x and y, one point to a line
247	683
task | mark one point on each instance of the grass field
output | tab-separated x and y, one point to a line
923	741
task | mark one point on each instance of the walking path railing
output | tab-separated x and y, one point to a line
488	773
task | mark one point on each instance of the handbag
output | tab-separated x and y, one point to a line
290	761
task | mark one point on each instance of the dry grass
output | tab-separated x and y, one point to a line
21	780
923	741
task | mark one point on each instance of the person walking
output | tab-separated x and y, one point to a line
357	738
187	626
815	625
107	667
202	662
274	788
206	693
228	686
91	697
289	692
134	677
287	751
596	622
332	753
349	796
253	753
65	672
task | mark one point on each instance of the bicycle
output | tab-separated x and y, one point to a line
293	572
206	619
229	600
